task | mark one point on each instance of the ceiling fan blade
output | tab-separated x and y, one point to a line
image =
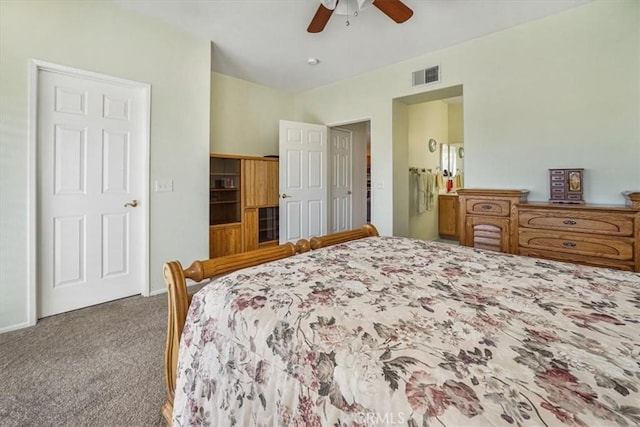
394	9
320	19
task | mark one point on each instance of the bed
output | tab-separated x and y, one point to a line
357	329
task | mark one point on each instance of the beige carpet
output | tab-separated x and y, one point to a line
99	366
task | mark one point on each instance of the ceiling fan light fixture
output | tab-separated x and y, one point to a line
394	9
347	7
329	4
363	4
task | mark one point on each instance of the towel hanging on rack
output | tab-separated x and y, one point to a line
425	189
430	193
459	180
421	191
439	179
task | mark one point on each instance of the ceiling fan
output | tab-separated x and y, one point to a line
394	9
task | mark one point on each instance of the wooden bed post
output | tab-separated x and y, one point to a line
178	305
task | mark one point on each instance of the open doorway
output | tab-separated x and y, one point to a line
350	171
431	143
322	178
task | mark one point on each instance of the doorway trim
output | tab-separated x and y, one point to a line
35	67
339	125
333	215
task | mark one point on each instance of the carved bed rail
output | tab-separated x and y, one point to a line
179	298
367	230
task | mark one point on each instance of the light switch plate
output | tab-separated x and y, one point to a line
164	185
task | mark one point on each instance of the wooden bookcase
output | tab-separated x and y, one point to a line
244	203
261	202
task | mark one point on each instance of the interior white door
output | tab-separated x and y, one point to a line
340	193
90	184
303	180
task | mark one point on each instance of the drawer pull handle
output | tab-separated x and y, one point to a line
569	222
569	244
486	207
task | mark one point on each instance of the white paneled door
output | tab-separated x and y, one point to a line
340	192
91	175
303	180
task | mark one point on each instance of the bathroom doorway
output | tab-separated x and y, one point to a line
434	123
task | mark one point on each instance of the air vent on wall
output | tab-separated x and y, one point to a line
428	75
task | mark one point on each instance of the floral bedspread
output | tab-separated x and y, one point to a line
394	331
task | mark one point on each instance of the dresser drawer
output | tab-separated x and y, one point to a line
583	222
579	259
488	207
619	248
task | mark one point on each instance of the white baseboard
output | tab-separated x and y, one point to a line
157	292
14	327
164	290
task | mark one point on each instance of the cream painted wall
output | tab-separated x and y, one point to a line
400	182
563	91
426	120
101	37
245	116
456	128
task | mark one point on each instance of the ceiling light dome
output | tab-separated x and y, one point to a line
346	7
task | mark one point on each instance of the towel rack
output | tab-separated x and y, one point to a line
416	170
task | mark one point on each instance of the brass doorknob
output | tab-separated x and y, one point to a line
349	192
284	195
132	204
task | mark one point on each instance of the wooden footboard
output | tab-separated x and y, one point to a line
179	298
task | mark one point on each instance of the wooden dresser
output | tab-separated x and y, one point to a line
605	236
502	220
486	218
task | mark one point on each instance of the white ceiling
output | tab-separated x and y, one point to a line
266	42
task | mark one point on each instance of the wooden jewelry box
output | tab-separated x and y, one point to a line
566	186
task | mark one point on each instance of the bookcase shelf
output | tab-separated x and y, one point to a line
224	190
